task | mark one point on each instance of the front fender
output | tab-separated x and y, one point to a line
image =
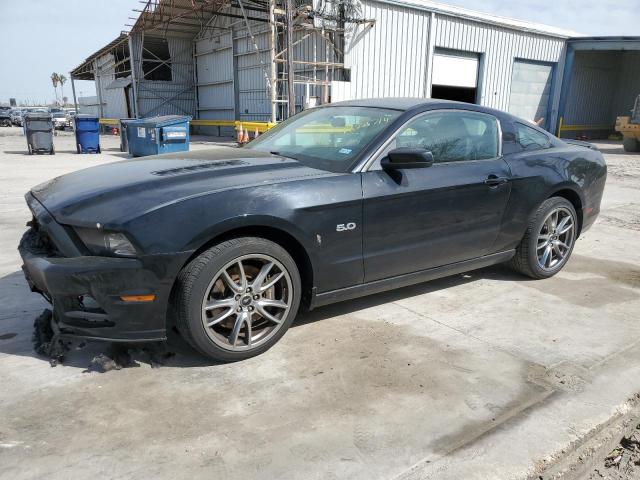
309	211
250	221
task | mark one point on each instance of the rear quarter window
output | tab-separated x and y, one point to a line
530	139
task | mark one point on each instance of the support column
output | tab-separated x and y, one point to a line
98	87
289	46
134	83
272	57
75	100
431	42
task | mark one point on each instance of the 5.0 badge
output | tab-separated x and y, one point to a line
343	227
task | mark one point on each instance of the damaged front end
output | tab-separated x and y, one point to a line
93	297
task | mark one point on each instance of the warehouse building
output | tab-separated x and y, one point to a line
225	61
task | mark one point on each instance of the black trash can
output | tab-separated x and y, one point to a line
124	140
38	128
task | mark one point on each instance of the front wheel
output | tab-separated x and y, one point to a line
237	299
548	241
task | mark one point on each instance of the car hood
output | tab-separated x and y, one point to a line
114	193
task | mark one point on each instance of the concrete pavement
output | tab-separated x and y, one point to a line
481	375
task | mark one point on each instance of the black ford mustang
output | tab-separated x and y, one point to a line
340	201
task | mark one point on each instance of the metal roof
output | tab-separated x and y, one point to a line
605	43
84	71
473	15
188	17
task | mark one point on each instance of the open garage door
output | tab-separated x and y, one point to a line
455	75
531	91
600	83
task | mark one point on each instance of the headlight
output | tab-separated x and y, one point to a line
106	243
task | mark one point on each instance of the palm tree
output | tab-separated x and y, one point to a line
55	79
62	79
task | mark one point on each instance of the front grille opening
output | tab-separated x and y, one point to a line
84	311
37	241
88	304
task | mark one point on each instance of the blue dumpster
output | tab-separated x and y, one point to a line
87	134
156	135
124	144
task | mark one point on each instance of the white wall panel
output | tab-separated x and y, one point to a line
388	59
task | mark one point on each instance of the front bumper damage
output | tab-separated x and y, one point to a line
86	291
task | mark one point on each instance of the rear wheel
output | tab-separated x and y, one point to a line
631	144
548	241
237	299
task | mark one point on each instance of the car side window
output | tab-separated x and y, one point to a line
529	138
451	136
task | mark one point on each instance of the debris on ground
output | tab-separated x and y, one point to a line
623	462
45	341
116	357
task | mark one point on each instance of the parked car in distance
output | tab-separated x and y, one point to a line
347	199
16	117
5	118
59	119
70	115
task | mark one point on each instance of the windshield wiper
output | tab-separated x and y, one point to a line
282	155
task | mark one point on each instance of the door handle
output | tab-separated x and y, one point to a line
494	180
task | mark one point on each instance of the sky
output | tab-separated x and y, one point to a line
45	36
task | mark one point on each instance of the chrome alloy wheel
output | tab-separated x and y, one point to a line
555	238
246	302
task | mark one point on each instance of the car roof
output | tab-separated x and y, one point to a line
412	103
395	103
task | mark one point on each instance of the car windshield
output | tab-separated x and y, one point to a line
328	138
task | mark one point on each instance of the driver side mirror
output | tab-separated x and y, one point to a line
407	157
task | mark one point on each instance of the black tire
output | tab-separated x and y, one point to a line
631	144
194	280
525	260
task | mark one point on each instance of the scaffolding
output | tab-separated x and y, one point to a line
290	24
298	46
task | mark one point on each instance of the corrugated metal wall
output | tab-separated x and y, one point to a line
166	97
392	58
114	103
628	87
214	60
230	72
592	88
389	59
604	85
253	70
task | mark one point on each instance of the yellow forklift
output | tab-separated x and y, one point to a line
629	127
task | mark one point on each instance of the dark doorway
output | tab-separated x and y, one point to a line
459	94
